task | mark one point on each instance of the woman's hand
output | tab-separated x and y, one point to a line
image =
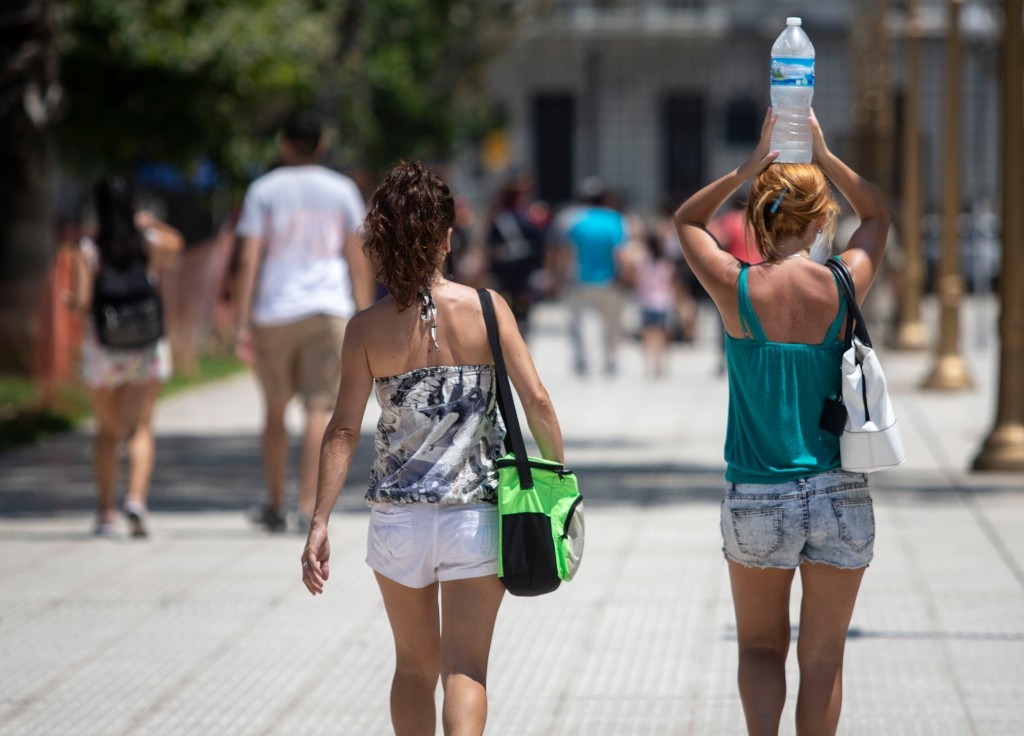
245	345
315	559
762	157
818	147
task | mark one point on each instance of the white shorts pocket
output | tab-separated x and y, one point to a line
390	535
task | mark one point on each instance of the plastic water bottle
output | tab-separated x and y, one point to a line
792	89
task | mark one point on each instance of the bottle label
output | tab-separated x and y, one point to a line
787	72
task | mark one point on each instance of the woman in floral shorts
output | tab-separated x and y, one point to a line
123	383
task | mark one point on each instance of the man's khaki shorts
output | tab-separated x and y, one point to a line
302	357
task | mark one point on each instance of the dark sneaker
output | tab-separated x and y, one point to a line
135	512
270	519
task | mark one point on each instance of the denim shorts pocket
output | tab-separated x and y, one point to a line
391	532
758	531
856	517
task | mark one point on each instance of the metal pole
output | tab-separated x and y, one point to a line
1004	447
911	333
950	370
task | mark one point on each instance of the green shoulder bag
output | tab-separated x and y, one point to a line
540	507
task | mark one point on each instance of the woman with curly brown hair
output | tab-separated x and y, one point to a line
788	505
433	490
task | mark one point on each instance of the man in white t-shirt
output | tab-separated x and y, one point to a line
302	274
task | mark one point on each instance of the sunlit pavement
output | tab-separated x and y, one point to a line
205	628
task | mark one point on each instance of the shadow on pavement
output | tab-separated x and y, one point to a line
224	473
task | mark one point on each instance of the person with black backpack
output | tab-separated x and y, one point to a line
125	357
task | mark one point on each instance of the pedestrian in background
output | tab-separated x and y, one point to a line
655	290
423	350
123	383
589	240
302	274
788	505
515	245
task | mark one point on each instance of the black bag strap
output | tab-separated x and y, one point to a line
853	316
506	405
855	324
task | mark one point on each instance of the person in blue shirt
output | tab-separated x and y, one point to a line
788	505
593	235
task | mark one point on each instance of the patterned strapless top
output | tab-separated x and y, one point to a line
437	438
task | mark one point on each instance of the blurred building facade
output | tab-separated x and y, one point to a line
658	96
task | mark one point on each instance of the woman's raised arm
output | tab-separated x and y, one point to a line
863	254
716	269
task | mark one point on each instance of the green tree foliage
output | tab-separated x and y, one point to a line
422	64
178	79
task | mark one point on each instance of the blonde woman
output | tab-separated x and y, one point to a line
788	506
423	351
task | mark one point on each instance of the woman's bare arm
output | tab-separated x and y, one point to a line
540	412
165	242
341	439
716	269
863	254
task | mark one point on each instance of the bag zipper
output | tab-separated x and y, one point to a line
560	470
568	517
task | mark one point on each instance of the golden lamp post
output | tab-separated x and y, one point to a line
950	369
1004	447
911	333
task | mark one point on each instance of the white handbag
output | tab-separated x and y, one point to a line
870	439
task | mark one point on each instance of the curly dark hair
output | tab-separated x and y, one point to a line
406	227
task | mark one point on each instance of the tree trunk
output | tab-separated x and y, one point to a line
30	93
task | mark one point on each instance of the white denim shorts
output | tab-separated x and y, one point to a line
417	544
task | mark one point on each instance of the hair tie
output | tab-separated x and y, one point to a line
779	200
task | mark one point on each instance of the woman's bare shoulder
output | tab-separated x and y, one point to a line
374	318
790	288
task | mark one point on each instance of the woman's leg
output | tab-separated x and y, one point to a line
416	626
648	340
140	442
825	612
468	610
104	459
275	454
761	599
138	403
655	340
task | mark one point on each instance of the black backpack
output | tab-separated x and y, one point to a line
127	307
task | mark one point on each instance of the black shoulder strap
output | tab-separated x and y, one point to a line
855	324
506	405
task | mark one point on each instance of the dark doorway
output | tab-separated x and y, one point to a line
554	133
682	125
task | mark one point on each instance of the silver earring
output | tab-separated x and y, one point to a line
821	230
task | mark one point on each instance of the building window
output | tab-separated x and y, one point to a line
682	125
743	120
554	137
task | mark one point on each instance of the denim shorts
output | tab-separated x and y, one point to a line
654	318
826	518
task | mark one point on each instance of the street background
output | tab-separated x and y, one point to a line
205	628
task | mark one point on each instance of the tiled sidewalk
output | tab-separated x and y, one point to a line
206	629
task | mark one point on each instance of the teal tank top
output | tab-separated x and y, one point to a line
776	393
